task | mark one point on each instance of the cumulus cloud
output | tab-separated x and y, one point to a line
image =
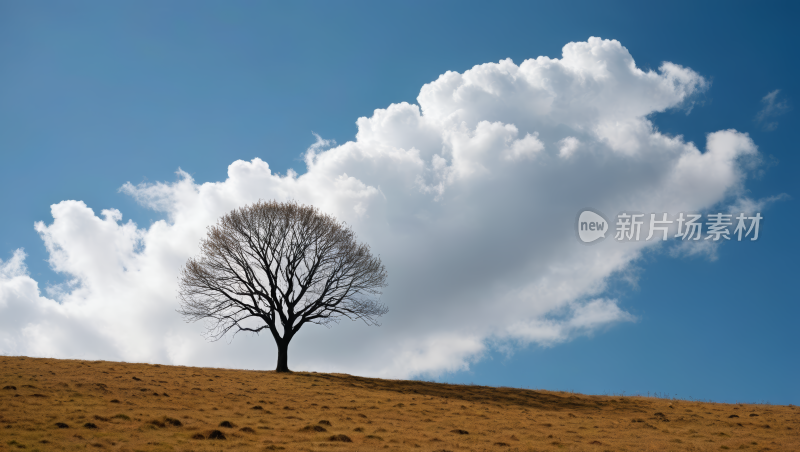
567	147
772	108
469	197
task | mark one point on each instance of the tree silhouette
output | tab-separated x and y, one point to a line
278	266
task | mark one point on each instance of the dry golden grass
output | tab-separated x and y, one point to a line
150	407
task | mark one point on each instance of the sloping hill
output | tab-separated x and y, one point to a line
50	404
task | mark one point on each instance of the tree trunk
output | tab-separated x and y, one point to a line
283	356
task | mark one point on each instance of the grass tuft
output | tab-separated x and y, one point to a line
342	438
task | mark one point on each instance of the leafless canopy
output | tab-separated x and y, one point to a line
278	266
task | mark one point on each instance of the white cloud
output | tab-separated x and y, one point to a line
709	248
696	248
525	148
467	197
567	147
581	318
749	206
772	108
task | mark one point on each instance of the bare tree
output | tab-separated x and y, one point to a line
278	266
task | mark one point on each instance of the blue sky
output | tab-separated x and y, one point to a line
97	94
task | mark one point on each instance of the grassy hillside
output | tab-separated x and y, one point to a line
50	404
